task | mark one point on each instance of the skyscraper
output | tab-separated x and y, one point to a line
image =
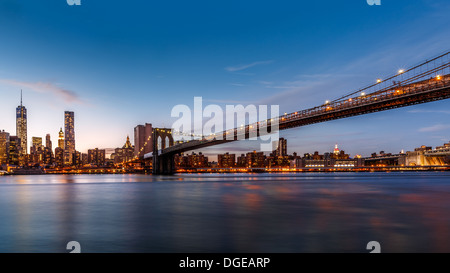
48	142
282	147
4	147
69	139
59	156
48	151
142	139
61	139
14	150
21	127
37	142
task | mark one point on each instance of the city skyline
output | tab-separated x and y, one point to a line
138	74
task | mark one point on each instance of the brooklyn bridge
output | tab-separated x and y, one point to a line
426	82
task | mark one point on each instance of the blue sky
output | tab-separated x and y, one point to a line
122	63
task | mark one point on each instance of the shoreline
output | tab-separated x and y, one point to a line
240	170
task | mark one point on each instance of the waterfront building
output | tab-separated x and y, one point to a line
48	157
339	154
197	160
281	148
143	143
385	159
241	161
124	154
181	161
335	159
59	157
96	157
279	156
255	160
426	156
76	159
84	159
226	160
14	150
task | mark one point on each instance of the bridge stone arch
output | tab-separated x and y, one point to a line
165	135
162	164
159	143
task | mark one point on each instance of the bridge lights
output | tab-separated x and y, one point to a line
363	94
379	80
438	77
327	101
401	71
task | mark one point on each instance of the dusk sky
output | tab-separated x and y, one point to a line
118	64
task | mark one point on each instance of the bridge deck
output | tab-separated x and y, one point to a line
399	96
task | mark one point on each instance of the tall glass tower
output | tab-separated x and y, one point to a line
69	139
21	127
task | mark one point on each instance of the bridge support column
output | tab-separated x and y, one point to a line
163	164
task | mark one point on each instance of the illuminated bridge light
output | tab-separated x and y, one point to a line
327	101
438	77
379	80
363	94
401	71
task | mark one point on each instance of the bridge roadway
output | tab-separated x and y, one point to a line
423	91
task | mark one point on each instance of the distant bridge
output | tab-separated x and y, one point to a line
438	152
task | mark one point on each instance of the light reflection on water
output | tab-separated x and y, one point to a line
314	212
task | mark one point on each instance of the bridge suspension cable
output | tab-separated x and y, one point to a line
415	73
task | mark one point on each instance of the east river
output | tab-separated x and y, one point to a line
305	212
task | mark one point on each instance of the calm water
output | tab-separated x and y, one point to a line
404	212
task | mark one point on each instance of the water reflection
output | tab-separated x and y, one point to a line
226	213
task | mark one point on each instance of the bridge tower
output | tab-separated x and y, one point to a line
162	164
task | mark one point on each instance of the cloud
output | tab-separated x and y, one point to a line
245	66
46	87
435	128
429	111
